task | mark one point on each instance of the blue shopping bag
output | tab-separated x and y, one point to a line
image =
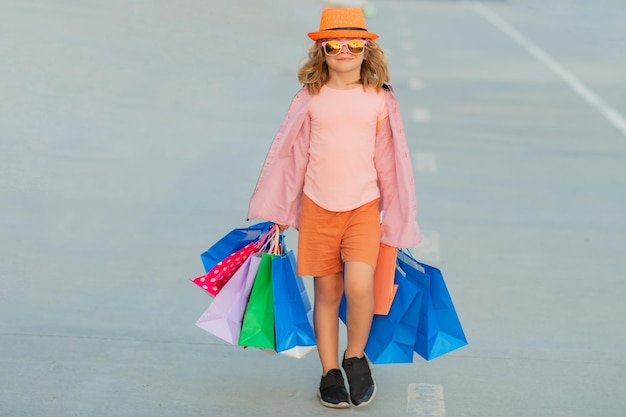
232	242
392	336
439	330
293	316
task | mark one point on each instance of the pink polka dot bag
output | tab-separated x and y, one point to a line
215	279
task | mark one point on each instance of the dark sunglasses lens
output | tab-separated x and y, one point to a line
332	48
356	47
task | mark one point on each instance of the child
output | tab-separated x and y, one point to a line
338	164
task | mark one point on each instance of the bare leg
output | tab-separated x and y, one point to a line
328	293
359	288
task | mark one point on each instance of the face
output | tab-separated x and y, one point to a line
344	61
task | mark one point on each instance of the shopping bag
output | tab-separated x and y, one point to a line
233	241
217	276
292	309
224	316
214	280
392	336
439	330
384	287
257	329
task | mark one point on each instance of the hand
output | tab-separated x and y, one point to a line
282	227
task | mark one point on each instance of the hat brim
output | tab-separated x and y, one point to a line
335	34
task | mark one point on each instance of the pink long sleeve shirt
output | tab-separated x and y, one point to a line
278	193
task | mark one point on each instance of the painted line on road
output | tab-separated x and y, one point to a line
424	162
413	61
425	400
416	84
612	115
407	44
420	115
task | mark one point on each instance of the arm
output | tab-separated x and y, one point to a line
399	227
380	124
384	162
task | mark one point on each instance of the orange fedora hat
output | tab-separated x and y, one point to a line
342	22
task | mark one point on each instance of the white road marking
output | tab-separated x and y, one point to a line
425	400
424	162
416	84
420	115
413	61
581	89
429	249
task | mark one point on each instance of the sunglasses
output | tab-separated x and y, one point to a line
355	47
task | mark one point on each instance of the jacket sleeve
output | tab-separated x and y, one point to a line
385	167
399	226
278	191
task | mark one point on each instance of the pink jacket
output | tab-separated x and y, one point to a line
278	192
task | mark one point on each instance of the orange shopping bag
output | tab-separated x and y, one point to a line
384	288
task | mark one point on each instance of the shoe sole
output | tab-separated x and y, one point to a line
331	405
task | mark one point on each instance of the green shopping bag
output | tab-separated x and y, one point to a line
257	329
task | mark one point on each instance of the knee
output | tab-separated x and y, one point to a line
359	289
359	292
359	281
329	294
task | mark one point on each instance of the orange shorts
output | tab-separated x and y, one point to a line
327	239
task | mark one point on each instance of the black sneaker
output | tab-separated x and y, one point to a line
332	391
362	385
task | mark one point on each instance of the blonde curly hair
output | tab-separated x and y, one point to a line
374	70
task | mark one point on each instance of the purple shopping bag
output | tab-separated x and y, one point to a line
224	316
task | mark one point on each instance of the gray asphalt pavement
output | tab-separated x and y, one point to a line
131	137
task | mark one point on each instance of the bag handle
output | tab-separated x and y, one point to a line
273	242
276	245
259	244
